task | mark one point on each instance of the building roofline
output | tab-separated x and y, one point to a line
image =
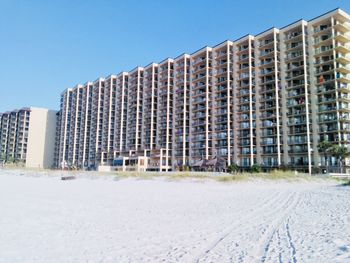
242	37
39	108
150	64
201	50
99	79
123	73
272	29
66	90
88	83
326	13
166	60
295	22
110	76
227	41
182	56
135	69
24	109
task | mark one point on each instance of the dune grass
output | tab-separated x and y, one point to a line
166	175
220	177
284	175
273	175
232	178
176	176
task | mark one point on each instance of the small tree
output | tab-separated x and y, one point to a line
256	168
232	168
340	152
186	168
11	159
325	147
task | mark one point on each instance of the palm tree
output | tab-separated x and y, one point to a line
340	152
325	148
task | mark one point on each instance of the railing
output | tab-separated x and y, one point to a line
321	28
322	38
265	42
323	49
293	35
294	55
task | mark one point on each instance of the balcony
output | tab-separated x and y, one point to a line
243	48
328	99
296	93
344	97
343	69
265	42
267	71
294	55
295	102
267	115
322	28
342	27
295	74
322	39
294	45
343	59
298	140
296	121
266	61
342	48
243	57
344	78
342	37
324	69
343	87
323	50
266	52
268	124
269	141
303	150
293	35
325	108
344	106
325	88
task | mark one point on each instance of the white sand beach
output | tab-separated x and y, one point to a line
90	219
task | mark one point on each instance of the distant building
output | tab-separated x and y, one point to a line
28	136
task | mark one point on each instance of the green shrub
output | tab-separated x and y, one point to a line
11	159
316	170
233	168
256	168
347	183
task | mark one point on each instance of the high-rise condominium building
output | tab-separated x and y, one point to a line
267	99
27	136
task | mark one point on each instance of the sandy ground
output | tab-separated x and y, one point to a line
44	219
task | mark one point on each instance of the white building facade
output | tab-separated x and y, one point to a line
267	99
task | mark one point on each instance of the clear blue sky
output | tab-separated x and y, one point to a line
48	46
